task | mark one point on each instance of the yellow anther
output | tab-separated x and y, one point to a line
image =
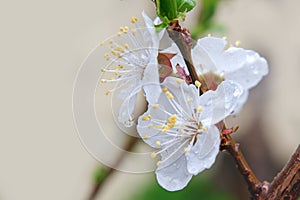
146	136
119	34
126	46
121	66
117	54
164	130
145	118
155	106
158	163
120	48
153	155
209	35
224	38
158	143
122	29
107	92
204	128
110	41
186	150
198	84
133	19
103	70
103	80
199	108
237	43
189	100
149	116
101	43
106	56
165	90
179	81
150	125
158	127
112	79
126	28
116	71
169	95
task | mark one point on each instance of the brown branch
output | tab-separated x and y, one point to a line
254	185
286	185
99	185
182	39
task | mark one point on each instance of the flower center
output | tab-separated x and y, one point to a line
210	81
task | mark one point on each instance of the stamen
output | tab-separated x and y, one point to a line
199	108
198	84
158	163
155	106
178	81
186	149
237	43
153	155
158	143
165	90
133	19
103	81
146	136
150	125
107	92
189	100
106	56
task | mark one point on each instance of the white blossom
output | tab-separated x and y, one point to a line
181	126
133	65
214	63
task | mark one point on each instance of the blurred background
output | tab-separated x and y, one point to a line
42	46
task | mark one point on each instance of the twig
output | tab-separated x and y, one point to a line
254	185
286	185
99	185
183	40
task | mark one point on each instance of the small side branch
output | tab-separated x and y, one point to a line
182	38
254	185
98	185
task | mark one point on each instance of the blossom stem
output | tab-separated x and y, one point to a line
99	184
182	39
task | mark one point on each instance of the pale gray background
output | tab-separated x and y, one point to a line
42	45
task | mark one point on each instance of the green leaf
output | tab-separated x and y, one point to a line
185	5
167	9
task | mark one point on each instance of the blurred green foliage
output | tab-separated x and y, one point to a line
205	20
200	188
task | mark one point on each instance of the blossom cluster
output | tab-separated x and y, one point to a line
182	116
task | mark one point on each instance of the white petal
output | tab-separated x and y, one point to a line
203	154
206	53
251	72
154	35
126	111
217	105
174	177
231	59
150	80
241	101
